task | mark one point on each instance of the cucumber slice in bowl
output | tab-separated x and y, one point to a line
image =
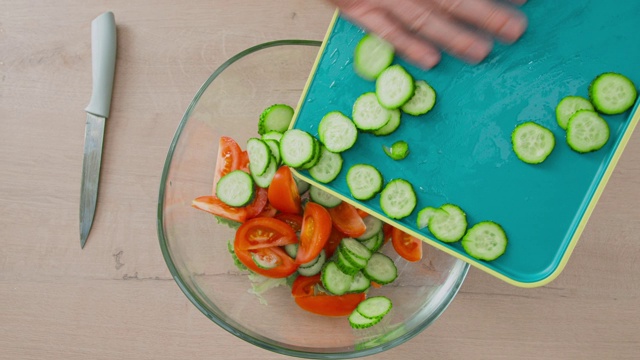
612	93
532	143
260	156
587	131
297	147
236	188
275	118
328	167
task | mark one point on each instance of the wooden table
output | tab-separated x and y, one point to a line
116	300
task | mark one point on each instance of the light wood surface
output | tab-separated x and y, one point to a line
116	300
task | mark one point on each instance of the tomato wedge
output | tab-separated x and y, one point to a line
229	158
407	246
308	298
258	204
215	206
316	228
268	211
294	220
346	219
262	232
363	214
281	264
387	230
334	240
283	192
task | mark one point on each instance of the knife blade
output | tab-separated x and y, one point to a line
103	61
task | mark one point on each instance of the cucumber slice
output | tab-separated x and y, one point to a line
296	147
423	100
424	216
371	56
448	224
398	199
569	106
323	198
274	146
374	307
587	131
302	185
368	114
259	156
380	269
291	250
353	249
265	260
364	181
375	242
345	265
265	179
316	156
485	241
373	226
612	93
357	321
398	150
394	87
532	143
392	125
328	167
314	269
360	283
275	118
335	281
272	135
337	132
236	188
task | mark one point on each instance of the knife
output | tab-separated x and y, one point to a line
103	61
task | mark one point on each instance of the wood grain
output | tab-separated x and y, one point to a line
116	299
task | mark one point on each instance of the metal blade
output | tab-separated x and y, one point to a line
93	138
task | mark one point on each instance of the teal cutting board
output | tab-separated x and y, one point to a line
461	152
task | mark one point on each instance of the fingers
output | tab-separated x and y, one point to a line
426	20
377	20
501	21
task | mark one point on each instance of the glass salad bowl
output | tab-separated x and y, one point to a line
194	244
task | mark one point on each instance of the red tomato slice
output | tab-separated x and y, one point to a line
294	220
316	228
363	214
229	158
387	230
283	264
346	219
305	295
407	246
264	232
334	240
268	211
283	192
258	204
215	206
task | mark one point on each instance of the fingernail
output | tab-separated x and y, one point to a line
513	29
478	51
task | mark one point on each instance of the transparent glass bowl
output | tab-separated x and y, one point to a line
194	245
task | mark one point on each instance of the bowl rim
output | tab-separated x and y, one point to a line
199	304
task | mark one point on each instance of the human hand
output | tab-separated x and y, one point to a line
419	29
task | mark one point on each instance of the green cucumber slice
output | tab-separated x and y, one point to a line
485	241
394	87
587	131
532	143
235	188
612	93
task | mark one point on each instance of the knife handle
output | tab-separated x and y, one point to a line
103	63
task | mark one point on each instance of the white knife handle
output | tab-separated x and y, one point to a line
103	62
